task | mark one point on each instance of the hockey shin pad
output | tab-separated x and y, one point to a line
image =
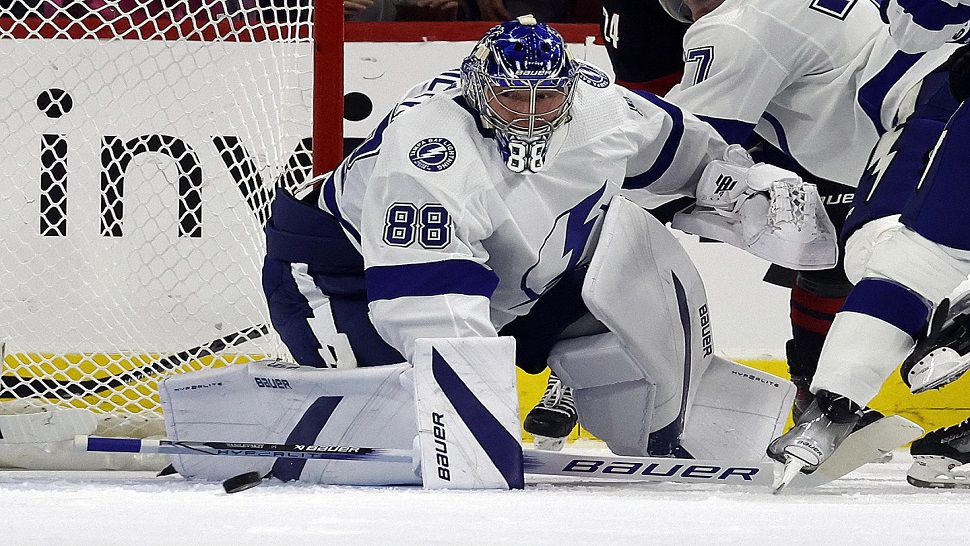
468	413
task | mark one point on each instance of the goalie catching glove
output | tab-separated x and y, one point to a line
763	209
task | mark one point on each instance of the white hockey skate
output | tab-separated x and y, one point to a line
554	417
943	356
818	450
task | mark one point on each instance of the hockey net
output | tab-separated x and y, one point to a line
142	141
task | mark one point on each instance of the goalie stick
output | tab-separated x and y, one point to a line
651	469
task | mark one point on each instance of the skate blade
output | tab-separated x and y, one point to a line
916	482
861	447
793	467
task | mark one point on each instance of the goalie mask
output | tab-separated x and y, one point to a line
520	79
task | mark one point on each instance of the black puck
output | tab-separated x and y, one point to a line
242	482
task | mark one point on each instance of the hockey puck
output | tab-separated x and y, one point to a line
242	482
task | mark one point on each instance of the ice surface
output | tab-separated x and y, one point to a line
873	505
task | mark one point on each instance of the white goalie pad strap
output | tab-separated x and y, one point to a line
275	402
643	286
737	412
765	210
468	413
614	396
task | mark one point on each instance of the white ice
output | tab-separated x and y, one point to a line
873	505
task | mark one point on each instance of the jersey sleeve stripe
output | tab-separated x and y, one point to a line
329	194
463	277
935	14
733	131
666	156
872	95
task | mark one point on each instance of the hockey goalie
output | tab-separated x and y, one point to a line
484	225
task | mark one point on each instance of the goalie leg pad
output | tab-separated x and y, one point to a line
614	397
737	412
468	413
643	286
275	402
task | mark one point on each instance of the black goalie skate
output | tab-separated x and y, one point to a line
937	456
554	416
943	355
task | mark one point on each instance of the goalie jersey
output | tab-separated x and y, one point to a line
455	244
820	80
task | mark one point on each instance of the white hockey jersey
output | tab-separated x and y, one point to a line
924	25
455	244
819	79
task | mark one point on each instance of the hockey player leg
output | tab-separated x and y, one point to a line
815	299
907	270
468	413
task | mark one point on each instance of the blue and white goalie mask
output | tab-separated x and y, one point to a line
520	78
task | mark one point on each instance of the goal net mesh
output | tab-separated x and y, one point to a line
141	144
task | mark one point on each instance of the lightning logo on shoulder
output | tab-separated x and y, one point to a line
592	75
433	154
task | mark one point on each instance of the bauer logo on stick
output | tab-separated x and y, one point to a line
433	154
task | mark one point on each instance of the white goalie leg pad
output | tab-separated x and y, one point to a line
468	413
643	286
614	396
737	412
275	402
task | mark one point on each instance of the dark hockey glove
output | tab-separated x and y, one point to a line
960	73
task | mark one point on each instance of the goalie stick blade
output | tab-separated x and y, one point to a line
651	469
862	446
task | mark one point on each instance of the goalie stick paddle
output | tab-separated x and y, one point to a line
612	467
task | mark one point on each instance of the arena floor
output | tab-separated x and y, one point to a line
873	505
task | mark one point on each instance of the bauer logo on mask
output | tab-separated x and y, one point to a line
433	154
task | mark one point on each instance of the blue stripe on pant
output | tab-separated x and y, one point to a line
300	233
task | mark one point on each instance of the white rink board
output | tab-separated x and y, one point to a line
750	318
